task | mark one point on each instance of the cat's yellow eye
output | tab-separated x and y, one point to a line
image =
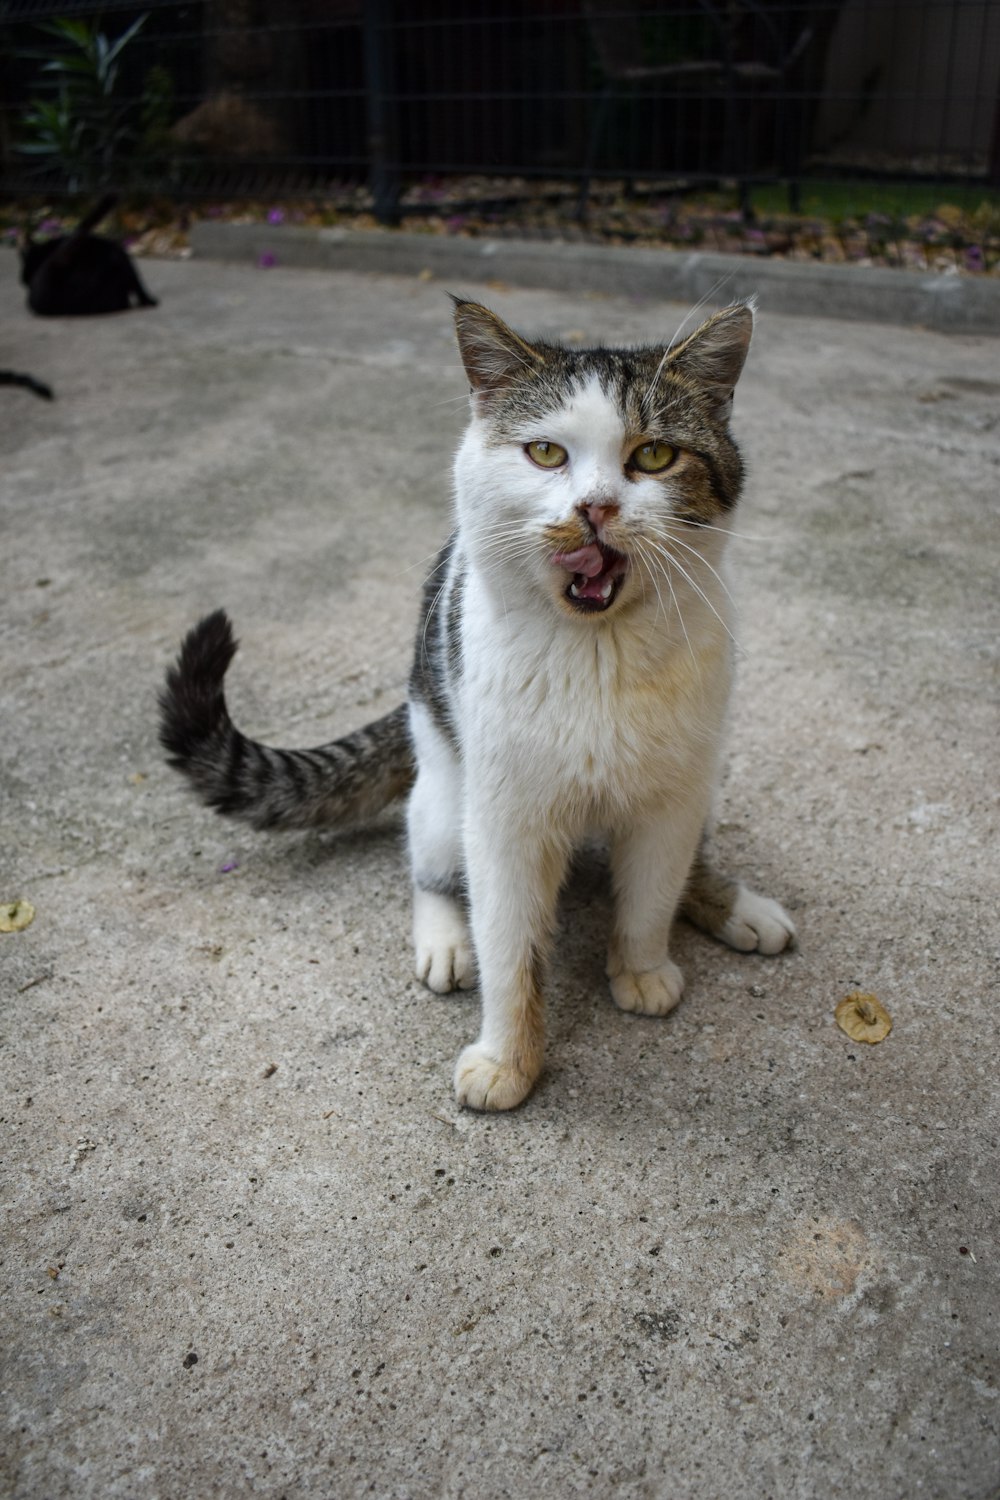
547	455
653	458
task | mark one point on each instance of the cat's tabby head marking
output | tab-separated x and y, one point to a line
602	474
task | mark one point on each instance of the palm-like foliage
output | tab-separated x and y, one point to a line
85	130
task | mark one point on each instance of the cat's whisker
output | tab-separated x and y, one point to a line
645	571
506	549
422	562
743	536
673	561
503	526
679	612
669	582
502	542
522	532
515	538
678	541
642	573
427	618
450	401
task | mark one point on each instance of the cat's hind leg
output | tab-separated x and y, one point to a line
726	909
443	951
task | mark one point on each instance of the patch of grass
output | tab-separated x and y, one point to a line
836	201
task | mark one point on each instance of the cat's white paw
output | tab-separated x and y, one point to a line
444	959
482	1082
653	992
446	969
757	924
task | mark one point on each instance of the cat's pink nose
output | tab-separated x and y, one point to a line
598	513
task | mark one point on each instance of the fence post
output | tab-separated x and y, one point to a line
383	174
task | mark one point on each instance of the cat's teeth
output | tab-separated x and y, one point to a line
605	595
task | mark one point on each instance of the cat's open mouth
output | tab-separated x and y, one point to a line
597	575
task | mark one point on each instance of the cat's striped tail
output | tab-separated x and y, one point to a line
339	784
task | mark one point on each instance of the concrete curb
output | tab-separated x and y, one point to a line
946	303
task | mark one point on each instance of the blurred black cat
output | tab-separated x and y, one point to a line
14	377
81	274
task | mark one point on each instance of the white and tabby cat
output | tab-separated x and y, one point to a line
572	673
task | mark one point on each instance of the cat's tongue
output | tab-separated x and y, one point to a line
589	560
595	570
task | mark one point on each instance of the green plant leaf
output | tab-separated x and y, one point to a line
117	47
87	131
77	32
69	64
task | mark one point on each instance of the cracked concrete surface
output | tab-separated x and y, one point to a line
250	1245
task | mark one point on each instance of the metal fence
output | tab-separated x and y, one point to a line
379	99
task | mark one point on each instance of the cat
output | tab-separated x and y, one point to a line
571	674
81	274
14	377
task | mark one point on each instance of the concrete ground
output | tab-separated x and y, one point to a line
251	1246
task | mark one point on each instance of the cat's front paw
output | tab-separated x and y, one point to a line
757	924
448	967
444	959
484	1082
653	992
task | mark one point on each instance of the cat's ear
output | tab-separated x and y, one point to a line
715	353
494	355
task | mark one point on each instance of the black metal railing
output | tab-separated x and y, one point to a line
378	100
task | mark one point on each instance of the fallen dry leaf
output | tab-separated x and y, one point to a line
15	916
863	1017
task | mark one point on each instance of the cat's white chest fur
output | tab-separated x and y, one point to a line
583	725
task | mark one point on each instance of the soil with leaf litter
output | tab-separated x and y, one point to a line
950	238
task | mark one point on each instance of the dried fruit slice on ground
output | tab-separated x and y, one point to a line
863	1017
16	915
